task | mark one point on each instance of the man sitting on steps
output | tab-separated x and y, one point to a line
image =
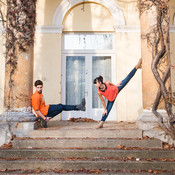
47	112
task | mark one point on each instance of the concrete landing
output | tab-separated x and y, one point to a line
68	129
66	134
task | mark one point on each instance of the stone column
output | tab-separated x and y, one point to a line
20	27
149	84
17	97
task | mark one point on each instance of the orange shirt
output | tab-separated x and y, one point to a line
110	93
38	103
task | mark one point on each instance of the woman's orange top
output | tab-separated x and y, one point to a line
110	92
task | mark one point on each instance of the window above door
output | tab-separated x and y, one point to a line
87	42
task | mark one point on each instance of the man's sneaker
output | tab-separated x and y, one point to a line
82	105
44	123
38	123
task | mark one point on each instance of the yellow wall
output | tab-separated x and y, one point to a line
130	11
45	11
129	101
93	18
47	65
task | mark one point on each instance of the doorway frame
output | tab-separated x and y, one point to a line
89	53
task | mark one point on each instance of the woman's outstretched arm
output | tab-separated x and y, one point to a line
103	103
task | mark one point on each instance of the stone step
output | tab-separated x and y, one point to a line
82	164
83	173
86	153
86	143
86	133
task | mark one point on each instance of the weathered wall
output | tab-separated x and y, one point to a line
172	44
48	65
2	60
129	101
150	86
2	72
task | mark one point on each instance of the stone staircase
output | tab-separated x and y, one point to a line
79	148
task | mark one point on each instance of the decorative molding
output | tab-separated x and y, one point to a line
66	5
172	28
150	110
119	29
48	29
127	29
55	29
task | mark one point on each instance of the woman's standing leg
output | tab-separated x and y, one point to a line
104	117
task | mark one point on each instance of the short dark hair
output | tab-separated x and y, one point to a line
38	82
99	79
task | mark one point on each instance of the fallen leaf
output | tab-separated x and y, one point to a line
119	146
130	158
150	171
155	172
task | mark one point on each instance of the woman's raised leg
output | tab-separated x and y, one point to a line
130	75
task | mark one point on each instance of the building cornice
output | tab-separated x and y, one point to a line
118	29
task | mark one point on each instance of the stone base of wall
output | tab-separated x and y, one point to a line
5	134
18	124
17	117
148	122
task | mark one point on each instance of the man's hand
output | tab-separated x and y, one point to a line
47	119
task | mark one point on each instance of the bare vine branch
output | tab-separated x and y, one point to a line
1	13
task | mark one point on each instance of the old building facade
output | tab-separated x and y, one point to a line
77	40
